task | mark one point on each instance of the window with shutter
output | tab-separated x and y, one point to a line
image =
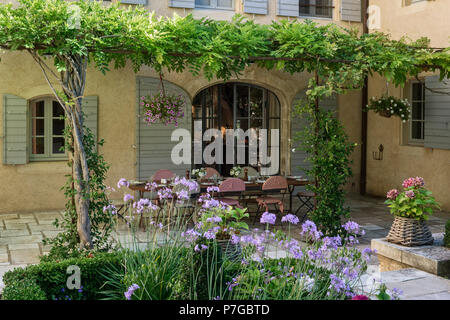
316	8
188	4
215	4
437	113
14	130
142	2
46	134
351	10
256	6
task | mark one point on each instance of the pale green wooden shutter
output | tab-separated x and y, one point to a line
143	2
290	8
15	130
256	6
437	113
298	156
351	10
189	4
90	109
154	145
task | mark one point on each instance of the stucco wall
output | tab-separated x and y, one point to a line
35	186
430	19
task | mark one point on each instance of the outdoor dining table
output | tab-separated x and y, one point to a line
255	185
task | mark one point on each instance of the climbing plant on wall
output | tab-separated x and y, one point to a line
81	33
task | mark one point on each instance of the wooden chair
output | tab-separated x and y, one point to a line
272	185
231	187
163	174
210	172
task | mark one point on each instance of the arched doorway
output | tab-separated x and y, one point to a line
236	105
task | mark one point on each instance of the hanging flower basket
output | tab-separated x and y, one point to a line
163	108
388	106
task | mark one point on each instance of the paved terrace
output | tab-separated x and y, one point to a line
21	236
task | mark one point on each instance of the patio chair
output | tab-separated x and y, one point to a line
306	199
231	187
163	174
210	172
272	185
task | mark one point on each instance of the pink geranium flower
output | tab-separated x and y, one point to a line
392	194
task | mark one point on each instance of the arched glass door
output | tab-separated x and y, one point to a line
236	106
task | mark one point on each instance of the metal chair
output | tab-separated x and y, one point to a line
231	187
306	199
272	185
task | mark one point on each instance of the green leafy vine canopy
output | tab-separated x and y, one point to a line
112	34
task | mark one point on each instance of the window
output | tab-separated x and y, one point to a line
46	130
417	119
316	8
237	106
215	4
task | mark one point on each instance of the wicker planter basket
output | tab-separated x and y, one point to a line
385	113
410	232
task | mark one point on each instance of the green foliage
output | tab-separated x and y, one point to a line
447	234
66	243
51	277
23	289
202	273
154	270
230	221
110	34
329	150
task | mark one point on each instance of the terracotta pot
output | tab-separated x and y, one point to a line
410	232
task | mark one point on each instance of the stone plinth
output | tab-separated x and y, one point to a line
434	259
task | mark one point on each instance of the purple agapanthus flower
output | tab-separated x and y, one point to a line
292	219
122	183
130	291
309	228
268	218
127	197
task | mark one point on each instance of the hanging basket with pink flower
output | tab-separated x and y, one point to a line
162	107
411	208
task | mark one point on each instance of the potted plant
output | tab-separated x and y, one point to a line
198	173
163	108
235	171
411	208
225	223
388	106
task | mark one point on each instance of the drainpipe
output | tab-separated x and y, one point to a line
364	101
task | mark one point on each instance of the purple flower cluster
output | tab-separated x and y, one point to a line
309	229
127	197
165	193
199	248
122	183
111	208
268	218
292	219
353	228
130	291
144	205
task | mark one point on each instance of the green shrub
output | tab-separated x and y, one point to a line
447	235
51	277
23	289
